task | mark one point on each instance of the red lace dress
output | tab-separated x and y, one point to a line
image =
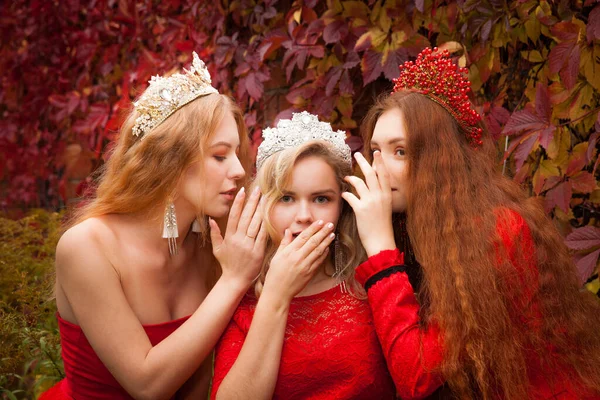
395	313
330	349
86	376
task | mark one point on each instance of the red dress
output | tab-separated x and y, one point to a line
86	376
330	349
395	312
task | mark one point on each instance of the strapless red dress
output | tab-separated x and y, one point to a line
86	377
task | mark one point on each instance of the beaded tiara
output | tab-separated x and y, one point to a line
165	95
303	127
434	75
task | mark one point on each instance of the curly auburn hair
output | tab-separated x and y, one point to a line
456	197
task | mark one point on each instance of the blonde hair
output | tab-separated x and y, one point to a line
143	172
274	177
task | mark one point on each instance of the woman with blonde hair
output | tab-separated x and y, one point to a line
306	331
496	311
137	314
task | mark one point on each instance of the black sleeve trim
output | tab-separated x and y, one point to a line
383	274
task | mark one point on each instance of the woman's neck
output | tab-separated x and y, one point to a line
149	225
322	280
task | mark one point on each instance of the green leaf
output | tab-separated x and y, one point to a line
356	9
533	29
532	56
548	168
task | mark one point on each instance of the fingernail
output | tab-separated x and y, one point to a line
330	225
242	190
332	235
376	152
256	190
320	222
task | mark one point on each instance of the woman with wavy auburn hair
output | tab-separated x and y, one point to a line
138	309
306	331
497	312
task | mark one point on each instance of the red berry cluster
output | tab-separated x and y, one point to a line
437	77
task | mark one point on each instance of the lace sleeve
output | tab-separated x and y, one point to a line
411	352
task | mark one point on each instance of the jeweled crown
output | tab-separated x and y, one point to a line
303	127
437	77
165	95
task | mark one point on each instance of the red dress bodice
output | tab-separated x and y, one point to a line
330	349
86	376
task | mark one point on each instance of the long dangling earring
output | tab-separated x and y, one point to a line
338	261
170	231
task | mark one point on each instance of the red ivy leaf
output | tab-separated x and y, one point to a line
271	44
523	120
586	264
583	182
543	107
496	117
346	86
593	25
523	150
353	59
299	94
395	58
592	145
559	55
559	196
335	31
97	117
564	57
371	66
583	238
569	73
546	136
332	77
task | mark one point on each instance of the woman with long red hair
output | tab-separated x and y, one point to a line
484	295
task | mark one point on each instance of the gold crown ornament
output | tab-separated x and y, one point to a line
303	127
165	95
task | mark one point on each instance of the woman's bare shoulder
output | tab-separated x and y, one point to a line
84	239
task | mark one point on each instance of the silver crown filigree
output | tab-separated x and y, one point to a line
165	95
303	127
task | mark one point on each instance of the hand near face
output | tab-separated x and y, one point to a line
296	261
373	206
242	250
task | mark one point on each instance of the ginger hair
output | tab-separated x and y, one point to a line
275	176
456	196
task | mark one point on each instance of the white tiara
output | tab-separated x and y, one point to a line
166	95
303	127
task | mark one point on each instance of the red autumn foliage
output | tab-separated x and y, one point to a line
70	70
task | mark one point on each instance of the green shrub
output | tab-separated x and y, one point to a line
30	359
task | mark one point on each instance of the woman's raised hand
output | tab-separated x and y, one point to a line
242	250
373	206
296	261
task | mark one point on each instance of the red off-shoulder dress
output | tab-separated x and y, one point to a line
330	349
414	353
86	376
